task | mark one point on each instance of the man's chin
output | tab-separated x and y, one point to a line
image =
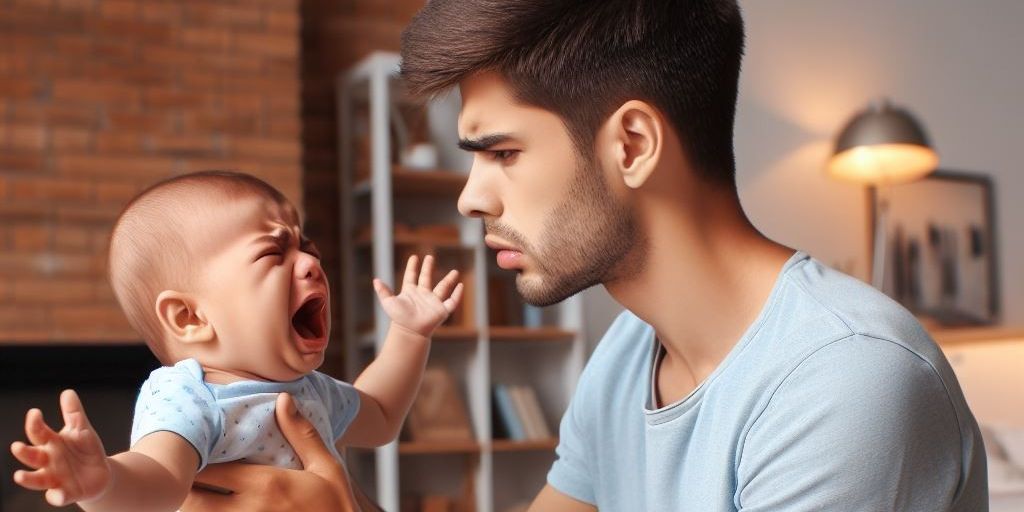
536	291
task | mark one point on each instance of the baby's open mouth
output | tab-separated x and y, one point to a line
308	321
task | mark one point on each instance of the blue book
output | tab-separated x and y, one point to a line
507	411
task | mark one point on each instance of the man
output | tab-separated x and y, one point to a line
743	375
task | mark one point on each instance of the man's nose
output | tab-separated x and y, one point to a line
478	197
307	266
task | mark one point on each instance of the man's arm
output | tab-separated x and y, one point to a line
550	500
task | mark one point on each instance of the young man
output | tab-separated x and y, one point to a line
744	375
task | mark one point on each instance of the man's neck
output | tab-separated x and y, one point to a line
707	274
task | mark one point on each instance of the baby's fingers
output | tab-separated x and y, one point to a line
31	456
453	302
74	413
36	429
57	497
427	272
444	287
383	292
38	480
410	271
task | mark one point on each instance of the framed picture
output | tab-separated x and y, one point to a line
940	247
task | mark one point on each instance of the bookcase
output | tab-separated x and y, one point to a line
389	211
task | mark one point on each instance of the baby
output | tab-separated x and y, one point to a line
212	270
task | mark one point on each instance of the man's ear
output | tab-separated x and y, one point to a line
634	137
182	319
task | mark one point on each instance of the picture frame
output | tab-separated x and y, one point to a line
940	255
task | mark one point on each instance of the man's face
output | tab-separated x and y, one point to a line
549	213
263	290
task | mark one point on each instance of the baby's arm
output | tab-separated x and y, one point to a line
389	384
72	466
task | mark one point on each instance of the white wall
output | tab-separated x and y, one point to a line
989	373
957	64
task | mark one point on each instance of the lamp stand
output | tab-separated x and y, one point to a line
881	211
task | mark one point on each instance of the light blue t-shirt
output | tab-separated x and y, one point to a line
235	422
834	399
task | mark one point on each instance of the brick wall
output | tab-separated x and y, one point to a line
99	98
336	34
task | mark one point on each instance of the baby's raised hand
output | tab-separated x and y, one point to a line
70	465
420	307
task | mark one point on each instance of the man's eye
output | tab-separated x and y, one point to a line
273	253
504	156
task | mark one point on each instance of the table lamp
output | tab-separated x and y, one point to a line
880	146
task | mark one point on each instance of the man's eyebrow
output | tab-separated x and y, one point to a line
484	143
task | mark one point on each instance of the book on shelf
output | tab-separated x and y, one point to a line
533	413
510	420
520	413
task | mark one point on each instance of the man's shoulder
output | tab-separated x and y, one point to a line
851	308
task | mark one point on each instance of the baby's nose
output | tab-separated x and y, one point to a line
308	267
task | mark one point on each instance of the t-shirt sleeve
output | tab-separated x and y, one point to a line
341	400
172	400
862	424
570	472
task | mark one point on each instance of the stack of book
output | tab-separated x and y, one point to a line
518	414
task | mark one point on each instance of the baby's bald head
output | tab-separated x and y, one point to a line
153	248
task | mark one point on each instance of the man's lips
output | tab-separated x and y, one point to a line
509	257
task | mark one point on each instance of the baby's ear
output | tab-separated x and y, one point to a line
181	318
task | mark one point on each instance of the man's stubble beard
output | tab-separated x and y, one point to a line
589	239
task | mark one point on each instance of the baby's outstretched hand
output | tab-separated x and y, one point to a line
420	307
70	465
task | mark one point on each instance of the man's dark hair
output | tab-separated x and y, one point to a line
583	59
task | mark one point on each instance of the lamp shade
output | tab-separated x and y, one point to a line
882	145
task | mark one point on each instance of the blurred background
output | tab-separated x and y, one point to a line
100	98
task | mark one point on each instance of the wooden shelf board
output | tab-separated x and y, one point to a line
456	333
437	447
508	445
365	240
409	182
963	335
441	334
512	333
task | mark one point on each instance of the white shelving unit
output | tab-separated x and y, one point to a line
485	474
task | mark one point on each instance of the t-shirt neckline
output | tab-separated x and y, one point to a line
675	409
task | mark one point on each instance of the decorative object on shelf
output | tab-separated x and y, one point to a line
420	156
439	413
881	146
942	248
